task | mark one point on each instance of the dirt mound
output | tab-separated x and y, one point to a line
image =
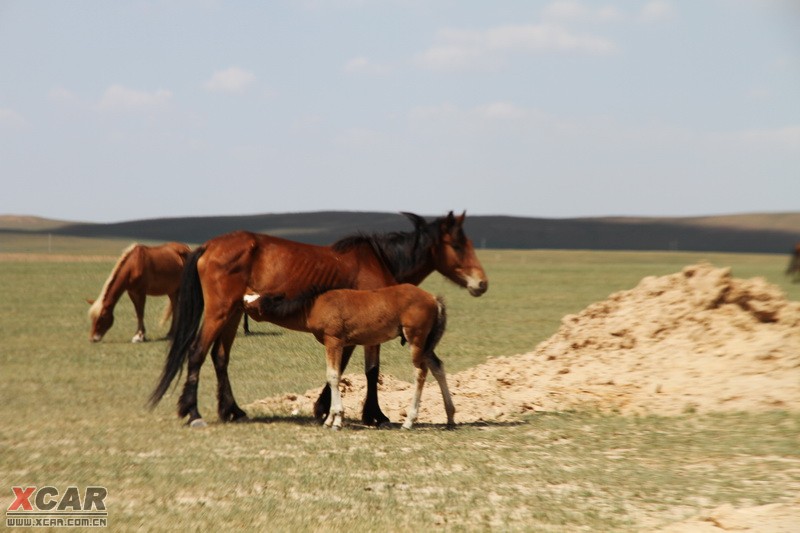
697	340
772	518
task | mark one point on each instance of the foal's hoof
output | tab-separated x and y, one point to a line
198	423
384	425
137	338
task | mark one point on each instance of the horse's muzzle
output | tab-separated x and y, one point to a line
477	289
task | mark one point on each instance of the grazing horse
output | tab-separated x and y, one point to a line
346	317
141	271
220	272
794	264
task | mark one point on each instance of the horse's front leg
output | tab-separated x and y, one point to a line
323	404
372	414
333	356
137	297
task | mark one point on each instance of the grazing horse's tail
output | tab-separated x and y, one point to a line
438	328
188	315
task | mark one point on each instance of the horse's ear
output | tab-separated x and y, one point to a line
89	301
417	220
460	218
448	222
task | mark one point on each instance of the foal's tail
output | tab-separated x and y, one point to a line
188	314
438	328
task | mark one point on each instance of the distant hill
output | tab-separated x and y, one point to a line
761	233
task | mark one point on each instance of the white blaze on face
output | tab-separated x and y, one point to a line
475	285
250	298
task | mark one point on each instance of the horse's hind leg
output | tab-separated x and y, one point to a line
137	298
227	408
437	369
372	414
187	404
323	404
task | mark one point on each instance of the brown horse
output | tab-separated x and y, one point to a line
221	271
347	317
141	271
794	264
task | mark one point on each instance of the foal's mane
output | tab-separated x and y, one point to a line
97	306
400	252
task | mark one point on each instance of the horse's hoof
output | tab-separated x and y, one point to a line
336	428
384	425
137	338
198	423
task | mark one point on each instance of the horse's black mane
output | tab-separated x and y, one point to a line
401	252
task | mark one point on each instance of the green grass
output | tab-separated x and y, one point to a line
73	414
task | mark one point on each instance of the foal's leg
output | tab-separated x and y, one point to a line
333	356
413	411
372	413
437	369
137	297
227	408
323	404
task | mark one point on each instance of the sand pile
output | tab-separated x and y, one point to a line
698	340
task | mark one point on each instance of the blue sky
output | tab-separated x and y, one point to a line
114	111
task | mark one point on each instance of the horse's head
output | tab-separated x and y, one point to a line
102	319
455	257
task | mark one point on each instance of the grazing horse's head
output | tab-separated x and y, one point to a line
454	255
102	318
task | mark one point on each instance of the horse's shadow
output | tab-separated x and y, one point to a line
358	426
263	334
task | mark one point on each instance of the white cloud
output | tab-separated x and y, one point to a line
465	49
785	137
118	97
12	120
501	111
569	10
61	95
230	80
657	10
364	65
575	11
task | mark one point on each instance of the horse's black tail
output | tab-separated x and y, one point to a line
437	331
188	314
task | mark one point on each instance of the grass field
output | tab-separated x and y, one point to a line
72	413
